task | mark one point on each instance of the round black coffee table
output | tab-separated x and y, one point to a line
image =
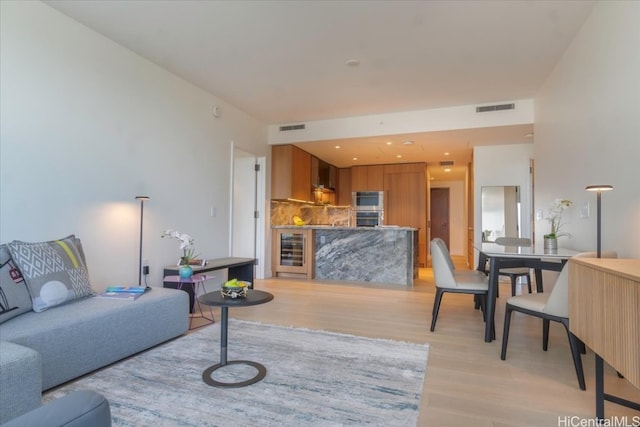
254	297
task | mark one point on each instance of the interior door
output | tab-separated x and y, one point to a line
440	214
244	205
247	238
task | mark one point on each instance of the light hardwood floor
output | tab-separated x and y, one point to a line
466	383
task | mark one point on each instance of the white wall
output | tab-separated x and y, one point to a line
87	125
498	165
587	130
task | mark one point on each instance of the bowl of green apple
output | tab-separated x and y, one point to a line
234	288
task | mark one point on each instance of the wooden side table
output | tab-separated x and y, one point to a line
196	281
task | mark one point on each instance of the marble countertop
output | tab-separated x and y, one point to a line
342	228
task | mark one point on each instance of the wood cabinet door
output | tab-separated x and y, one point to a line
280	171
300	174
359	178
405	205
343	188
375	178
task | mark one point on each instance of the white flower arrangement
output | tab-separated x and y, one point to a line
555	218
186	244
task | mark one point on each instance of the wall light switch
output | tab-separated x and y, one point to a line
584	210
539	214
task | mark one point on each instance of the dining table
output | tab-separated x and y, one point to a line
535	257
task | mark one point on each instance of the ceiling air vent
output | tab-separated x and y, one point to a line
291	127
446	163
495	108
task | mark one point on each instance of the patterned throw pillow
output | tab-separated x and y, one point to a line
55	271
14	295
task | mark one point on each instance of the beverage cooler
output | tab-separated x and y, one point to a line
293	254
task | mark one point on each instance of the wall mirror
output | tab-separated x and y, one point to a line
501	212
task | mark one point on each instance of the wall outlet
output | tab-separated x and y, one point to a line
539	214
145	270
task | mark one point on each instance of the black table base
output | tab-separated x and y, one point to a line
254	297
206	375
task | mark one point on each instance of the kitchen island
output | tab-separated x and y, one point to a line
377	255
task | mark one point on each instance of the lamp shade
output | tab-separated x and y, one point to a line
599	188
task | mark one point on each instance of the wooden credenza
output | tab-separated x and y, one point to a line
604	312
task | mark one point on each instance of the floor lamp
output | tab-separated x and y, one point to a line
599	362
599	189
142	200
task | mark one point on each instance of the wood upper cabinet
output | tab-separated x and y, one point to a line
375	178
344	187
359	178
290	173
367	178
322	173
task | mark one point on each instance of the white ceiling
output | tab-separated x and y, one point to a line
285	61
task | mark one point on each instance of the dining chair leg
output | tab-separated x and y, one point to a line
528	276
436	308
575	353
545	334
514	278
583	348
505	332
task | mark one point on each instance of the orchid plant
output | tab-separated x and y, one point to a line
555	218
186	245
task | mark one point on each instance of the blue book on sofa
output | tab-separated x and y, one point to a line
128	289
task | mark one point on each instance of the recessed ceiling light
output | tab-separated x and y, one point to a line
355	158
399	156
352	62
446	154
389	142
447	169
408	143
337	146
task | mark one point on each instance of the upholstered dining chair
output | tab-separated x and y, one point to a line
448	279
514	273
550	306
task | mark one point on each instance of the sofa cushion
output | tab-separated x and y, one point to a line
78	409
20	379
55	271
14	295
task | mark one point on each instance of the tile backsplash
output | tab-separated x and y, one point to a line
282	213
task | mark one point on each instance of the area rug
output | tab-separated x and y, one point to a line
315	378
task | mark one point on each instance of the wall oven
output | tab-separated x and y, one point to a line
368	200
368	218
368	208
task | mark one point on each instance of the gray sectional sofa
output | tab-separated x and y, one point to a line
40	350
